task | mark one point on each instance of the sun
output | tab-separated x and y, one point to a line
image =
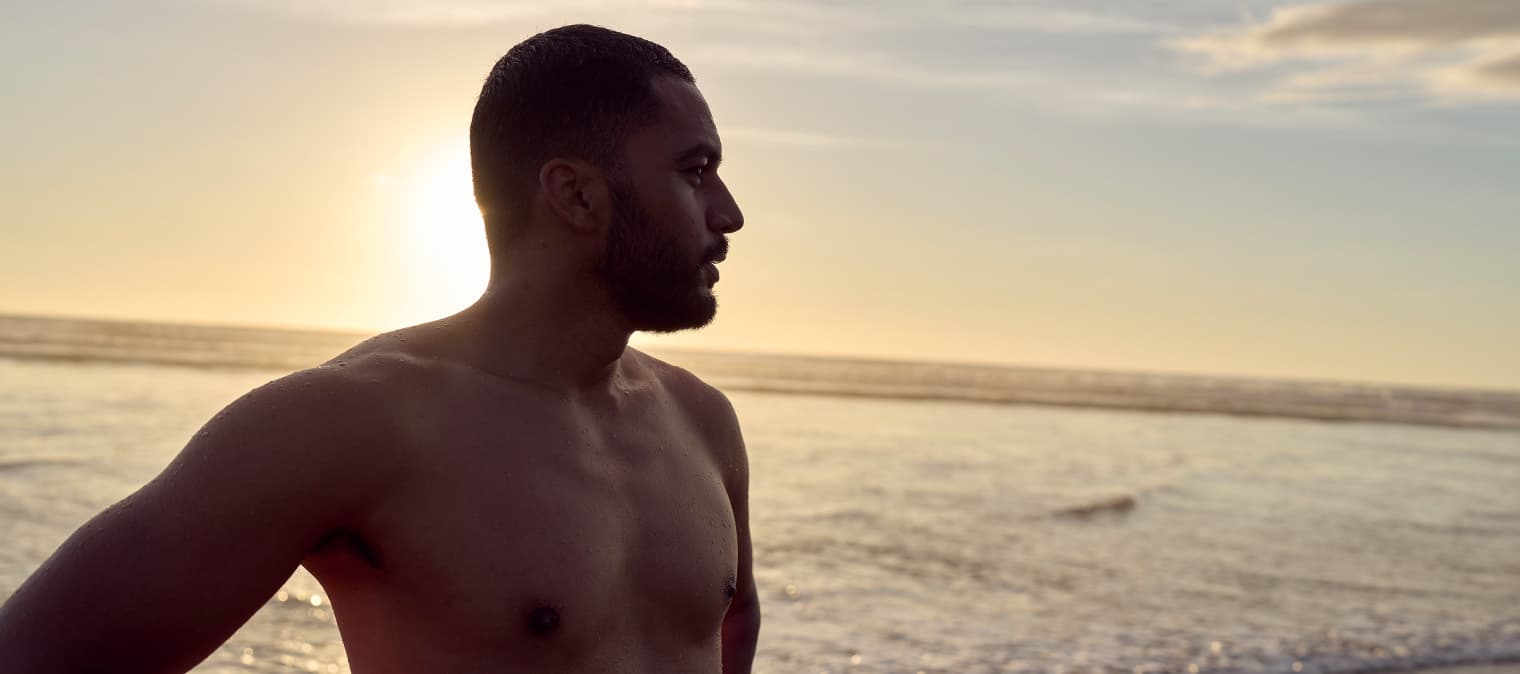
445	238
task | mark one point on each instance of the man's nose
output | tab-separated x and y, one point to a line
725	216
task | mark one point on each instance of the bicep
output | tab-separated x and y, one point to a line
159	580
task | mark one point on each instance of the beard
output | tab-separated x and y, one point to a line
652	284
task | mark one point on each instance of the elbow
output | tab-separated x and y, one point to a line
741	626
741	632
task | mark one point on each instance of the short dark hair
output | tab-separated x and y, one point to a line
575	91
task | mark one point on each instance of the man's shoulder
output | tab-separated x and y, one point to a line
333	424
708	408
341	399
328	399
683	384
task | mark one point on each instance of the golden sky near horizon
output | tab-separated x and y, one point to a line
1281	191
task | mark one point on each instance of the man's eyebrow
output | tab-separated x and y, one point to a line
713	153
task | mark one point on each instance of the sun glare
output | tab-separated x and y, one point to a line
445	238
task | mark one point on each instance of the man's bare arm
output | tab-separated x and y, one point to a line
158	581
741	625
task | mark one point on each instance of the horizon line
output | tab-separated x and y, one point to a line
817	356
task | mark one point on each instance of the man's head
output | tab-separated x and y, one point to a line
607	133
575	91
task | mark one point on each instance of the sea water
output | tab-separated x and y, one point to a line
911	535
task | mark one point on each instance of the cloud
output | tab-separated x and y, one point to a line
1449	51
797	139
861	64
396	12
903	43
1396	22
803	15
1050	20
1087	58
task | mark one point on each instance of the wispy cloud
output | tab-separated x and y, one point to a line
797	15
1087	58
890	42
1051	20
859	64
807	140
399	12
1449	51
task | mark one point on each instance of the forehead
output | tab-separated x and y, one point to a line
684	120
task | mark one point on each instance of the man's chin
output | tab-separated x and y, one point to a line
699	316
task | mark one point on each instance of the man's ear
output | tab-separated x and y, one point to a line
578	193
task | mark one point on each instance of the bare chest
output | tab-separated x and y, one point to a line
553	537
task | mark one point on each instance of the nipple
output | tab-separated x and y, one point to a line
543	620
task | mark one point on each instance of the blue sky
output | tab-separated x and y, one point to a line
1316	190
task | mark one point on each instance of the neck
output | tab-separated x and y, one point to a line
558	331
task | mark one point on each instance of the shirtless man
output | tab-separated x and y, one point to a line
510	489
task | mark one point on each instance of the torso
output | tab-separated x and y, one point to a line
523	531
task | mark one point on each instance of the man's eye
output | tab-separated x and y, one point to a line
696	171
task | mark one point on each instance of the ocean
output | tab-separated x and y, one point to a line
913	517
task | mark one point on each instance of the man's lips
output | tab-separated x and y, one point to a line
719	255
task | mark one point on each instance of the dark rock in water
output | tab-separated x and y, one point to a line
1122	503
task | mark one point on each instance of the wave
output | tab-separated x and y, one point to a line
87	340
81	340
8	465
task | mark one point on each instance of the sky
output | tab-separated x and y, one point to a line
1310	190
